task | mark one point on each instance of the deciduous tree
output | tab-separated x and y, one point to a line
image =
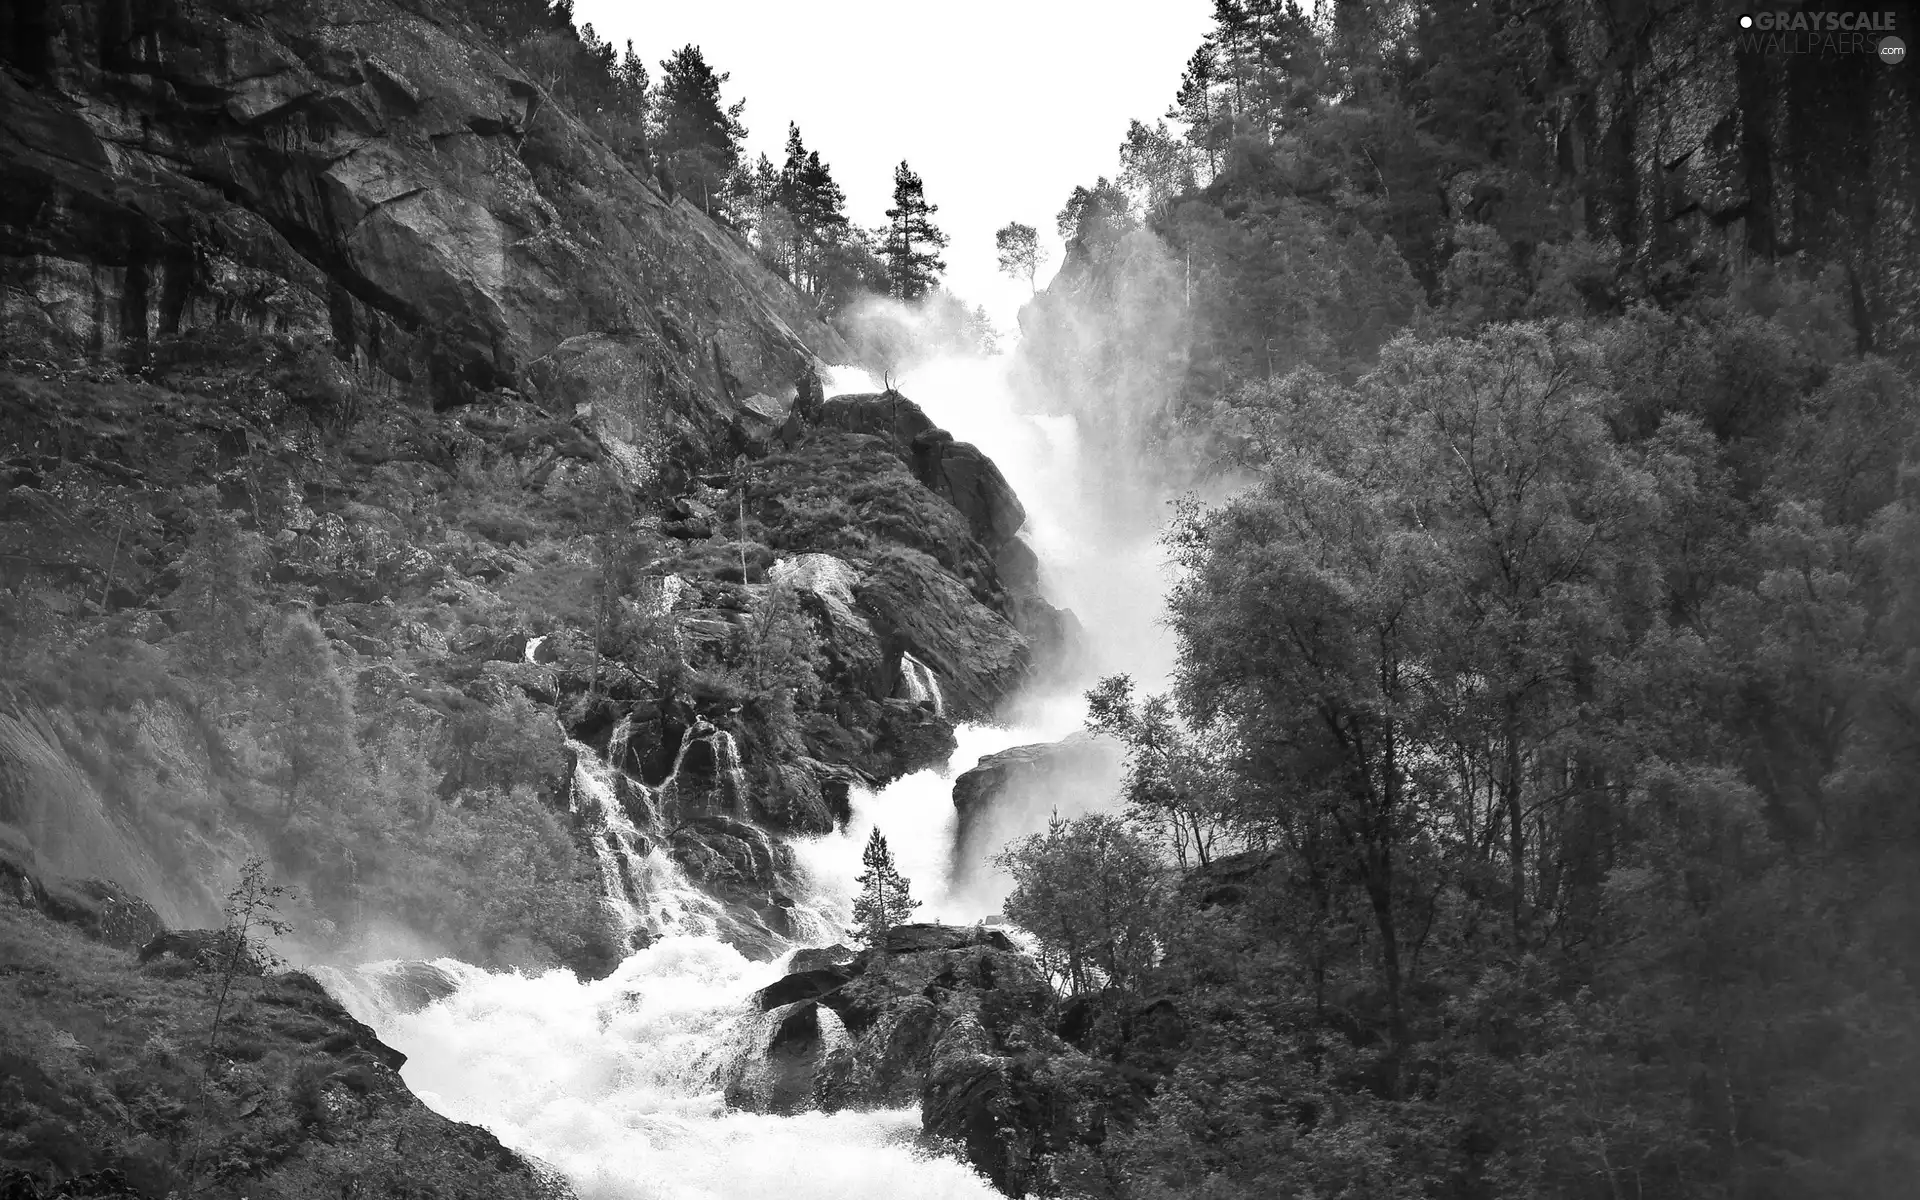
1018	246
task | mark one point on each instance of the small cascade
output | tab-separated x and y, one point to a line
920	684
644	890
707	777
732	777
617	844
617	741
533	647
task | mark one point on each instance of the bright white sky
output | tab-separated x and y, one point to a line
1002	106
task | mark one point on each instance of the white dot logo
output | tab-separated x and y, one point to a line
1892	50
1746	22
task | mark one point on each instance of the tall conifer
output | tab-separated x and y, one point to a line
912	239
885	898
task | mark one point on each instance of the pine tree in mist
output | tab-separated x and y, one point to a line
913	241
885	898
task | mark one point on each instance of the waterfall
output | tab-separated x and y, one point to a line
644	890
707	777
533	647
920	683
733	777
621	1084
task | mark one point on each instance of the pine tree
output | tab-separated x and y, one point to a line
813	200
699	138
912	240
885	898
1194	107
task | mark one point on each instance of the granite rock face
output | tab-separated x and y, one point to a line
367	171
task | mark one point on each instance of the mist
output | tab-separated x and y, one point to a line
1081	454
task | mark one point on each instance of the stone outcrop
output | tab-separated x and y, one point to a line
957	472
1014	791
103	910
204	950
979	656
955	1020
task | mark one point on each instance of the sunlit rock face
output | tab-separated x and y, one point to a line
365	172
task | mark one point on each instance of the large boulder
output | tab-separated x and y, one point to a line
1015	792
897	1005
979	656
957	472
955	1020
960	474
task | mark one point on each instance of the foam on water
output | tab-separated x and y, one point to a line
618	1085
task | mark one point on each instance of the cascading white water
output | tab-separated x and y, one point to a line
921	684
620	1084
644	889
1106	565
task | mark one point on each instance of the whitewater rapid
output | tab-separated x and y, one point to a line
620	1084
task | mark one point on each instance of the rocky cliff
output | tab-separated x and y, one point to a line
399	488
368	171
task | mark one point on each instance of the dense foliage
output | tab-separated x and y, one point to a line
1536	767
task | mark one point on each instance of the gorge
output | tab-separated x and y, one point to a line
1398	680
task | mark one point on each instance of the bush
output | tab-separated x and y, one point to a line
1092	893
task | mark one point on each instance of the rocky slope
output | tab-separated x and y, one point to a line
1013	792
521	436
111	1086
398	487
369	171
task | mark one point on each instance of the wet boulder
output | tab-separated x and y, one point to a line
803	985
1012	793
412	985
960	474
910	738
816	957
980	658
